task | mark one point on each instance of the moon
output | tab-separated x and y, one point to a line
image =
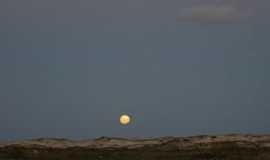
124	119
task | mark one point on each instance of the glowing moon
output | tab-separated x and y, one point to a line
125	119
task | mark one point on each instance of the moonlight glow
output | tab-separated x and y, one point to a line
125	119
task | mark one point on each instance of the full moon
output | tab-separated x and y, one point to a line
125	119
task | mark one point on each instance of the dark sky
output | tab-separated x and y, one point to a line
69	68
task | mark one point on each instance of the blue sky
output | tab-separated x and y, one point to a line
70	68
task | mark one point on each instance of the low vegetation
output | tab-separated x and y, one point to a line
169	150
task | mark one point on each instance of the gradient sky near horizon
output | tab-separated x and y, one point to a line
69	68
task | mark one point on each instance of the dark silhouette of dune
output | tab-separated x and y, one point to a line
215	147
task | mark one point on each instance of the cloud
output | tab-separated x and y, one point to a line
207	14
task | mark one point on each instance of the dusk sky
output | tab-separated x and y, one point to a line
70	68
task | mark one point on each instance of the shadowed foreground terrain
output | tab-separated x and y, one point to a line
227	147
